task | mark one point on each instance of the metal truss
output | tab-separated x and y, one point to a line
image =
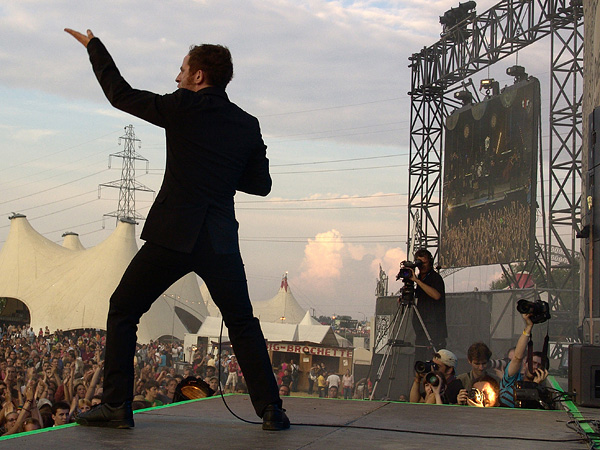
477	42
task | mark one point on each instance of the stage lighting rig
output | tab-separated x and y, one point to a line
464	96
518	72
490	85
456	15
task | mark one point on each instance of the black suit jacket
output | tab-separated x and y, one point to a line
213	149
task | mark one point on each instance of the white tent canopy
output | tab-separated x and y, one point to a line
273	332
68	287
283	308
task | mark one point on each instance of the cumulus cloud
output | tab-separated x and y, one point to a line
389	261
322	256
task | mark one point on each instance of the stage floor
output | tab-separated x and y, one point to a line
320	424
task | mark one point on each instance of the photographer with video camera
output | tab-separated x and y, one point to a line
431	294
517	371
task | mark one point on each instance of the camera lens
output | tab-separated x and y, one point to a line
420	367
525	306
432	379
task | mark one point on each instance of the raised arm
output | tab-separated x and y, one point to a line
515	364
92	387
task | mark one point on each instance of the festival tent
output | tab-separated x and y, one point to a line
308	331
68	287
282	308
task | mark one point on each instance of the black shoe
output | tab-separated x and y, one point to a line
275	419
104	415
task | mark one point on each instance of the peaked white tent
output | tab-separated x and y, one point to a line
69	287
309	330
282	308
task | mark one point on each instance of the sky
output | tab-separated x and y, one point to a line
328	81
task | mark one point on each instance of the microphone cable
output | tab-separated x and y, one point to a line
219	375
350	424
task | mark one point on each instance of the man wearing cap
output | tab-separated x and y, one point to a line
446	361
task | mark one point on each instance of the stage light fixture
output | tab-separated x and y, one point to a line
490	86
518	72
464	96
456	15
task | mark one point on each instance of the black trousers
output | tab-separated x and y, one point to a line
152	271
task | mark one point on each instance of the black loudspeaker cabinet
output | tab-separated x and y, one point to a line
584	374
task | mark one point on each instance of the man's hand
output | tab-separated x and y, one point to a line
527	320
462	397
85	40
540	375
30	391
413	277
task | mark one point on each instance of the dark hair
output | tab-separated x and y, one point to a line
214	61
479	351
543	356
60	405
488	379
150	384
424	252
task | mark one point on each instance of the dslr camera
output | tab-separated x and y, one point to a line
476	395
539	310
425	366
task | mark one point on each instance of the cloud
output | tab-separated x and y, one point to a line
322	256
389	261
32	135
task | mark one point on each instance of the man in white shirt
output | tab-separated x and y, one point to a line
333	385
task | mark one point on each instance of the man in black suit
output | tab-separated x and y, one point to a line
214	149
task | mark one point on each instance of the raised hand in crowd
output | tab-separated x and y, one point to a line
29	409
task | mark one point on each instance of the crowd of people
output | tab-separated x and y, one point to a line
47	379
506	230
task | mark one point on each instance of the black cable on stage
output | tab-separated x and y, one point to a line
358	427
219	374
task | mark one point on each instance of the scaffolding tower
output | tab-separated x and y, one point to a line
468	44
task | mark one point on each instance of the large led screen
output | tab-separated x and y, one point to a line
489	188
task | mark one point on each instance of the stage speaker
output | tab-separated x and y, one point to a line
584	374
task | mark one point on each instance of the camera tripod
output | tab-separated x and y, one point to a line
406	305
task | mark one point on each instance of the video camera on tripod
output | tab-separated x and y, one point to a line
406	272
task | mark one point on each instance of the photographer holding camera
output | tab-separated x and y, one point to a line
434	386
431	294
517	371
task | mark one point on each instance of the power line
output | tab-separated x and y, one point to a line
56	153
339	160
52	188
318	199
21	210
332	107
50	169
322	207
338	129
340	170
